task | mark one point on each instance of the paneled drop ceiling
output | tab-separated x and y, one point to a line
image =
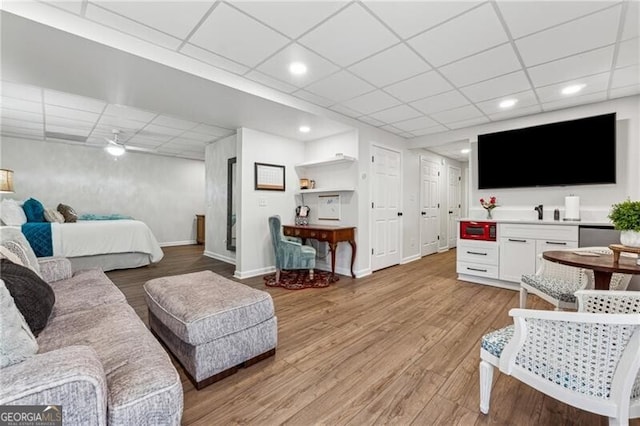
411	68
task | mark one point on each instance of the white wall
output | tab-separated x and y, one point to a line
164	192
254	253
326	148
217	155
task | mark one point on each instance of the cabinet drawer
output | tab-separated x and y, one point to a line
486	254
540	232
546	245
477	269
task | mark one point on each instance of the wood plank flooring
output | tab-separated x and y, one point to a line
398	347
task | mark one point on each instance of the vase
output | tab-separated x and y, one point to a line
630	238
489	214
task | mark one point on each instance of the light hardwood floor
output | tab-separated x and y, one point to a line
398	347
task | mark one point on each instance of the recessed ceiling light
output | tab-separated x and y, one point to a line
508	103
574	88
304	129
465	150
297	68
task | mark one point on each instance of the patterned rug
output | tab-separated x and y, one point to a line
299	279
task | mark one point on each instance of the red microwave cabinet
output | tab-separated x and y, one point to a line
482	231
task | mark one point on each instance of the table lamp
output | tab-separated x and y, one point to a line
6	181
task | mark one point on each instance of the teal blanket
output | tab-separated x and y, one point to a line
91	216
39	236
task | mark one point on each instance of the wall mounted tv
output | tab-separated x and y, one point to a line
575	152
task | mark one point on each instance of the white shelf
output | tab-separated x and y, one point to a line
328	162
319	190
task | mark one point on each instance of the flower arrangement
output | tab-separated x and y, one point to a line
488	205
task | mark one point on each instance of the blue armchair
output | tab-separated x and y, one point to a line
289	252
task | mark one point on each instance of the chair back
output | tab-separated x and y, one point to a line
275	228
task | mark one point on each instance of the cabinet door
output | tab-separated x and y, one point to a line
517	257
545	245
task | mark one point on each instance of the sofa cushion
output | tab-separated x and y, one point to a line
143	385
17	343
15	241
12	213
85	290
32	295
34	210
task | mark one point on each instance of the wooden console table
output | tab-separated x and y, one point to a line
331	234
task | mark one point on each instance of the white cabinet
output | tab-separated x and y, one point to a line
477	258
520	245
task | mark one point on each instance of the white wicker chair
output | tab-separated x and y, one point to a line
588	359
557	283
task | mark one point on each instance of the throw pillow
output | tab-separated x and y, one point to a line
17	343
69	214
12	213
33	297
14	241
34	210
52	215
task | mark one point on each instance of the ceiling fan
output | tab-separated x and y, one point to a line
114	147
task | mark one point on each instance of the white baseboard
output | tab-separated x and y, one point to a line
254	273
217	256
177	243
363	272
410	259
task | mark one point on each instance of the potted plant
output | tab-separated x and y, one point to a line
625	217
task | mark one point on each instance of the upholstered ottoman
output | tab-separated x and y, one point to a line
212	325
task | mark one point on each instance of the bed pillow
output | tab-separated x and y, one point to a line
34	210
12	213
68	213
31	294
17	342
52	215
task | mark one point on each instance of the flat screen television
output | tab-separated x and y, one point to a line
574	152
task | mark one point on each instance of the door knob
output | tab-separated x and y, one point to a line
399	213
423	213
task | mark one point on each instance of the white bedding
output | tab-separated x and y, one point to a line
96	237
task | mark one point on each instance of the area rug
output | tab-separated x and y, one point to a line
299	279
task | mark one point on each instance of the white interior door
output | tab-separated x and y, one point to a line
385	206
429	205
454	203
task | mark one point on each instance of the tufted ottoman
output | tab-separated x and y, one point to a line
212	325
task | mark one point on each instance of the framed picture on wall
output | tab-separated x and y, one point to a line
329	207
269	177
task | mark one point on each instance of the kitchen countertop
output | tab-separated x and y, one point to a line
539	222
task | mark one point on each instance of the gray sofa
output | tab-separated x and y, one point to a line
96	357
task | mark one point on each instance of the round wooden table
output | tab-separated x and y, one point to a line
602	265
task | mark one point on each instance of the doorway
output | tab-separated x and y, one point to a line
429	205
454	204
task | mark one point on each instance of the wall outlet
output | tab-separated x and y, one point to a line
262	202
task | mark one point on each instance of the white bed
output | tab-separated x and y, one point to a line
106	244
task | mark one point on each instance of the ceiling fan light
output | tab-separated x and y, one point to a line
115	150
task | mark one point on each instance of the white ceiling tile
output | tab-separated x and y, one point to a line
398	113
468	123
406	135
290	17
517	112
415	124
595	83
176	18
340	86
278	65
108	122
371	102
73	6
408	18
577	100
392	129
526	17
394	64
199	136
213	59
346	111
420	86
632	21
496	87
372	121
626	76
176	123
20	115
68	130
313	98
75	114
441	102
162	130
270	82
127	26
52	97
430	130
625	91
593	62
21	105
590	32
69	122
457	114
22	133
349	36
21	124
211	130
234	35
465	35
144	142
525	99
629	53
488	64
21	91
193	144
129	113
